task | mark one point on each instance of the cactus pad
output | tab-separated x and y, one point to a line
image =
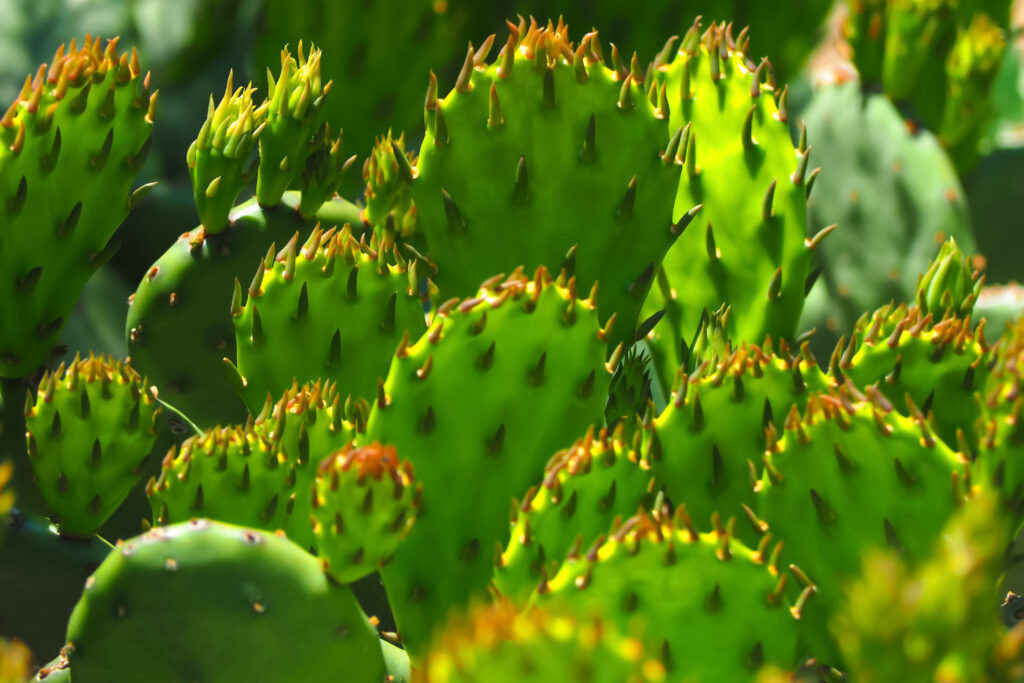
90	427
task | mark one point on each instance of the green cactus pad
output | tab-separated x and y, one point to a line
219	156
850	476
334	308
90	426
260	475
499	383
364	504
547	157
584	488
748	247
210	601
296	99
70	148
706	446
921	366
497	643
885	186
179	325
720	609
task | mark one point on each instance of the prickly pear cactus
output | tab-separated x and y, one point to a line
730	131
721	609
72	144
584	488
364	503
178	600
90	427
573	158
333	308
543	346
179	324
498	643
886	187
1001	425
706	446
851	475
260	474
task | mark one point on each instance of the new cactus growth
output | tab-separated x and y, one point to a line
333	308
157	603
295	99
90	426
71	145
364	503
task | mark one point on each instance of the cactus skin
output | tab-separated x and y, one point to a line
332	308
721	609
545	349
497	643
850	476
296	99
584	488
750	253
582	180
884	186
364	503
70	148
706	446
89	429
921	366
260	475
182	598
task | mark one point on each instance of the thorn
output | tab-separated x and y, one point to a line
462	83
548	98
709	243
685	220
797	178
775	287
495	117
825	513
521	193
813	242
766	203
625	212
589	151
748	128
441	137
456	224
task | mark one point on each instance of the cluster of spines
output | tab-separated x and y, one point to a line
325	166
364	503
387	171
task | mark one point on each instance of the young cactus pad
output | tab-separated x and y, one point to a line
91	425
333	308
209	601
70	147
478	405
748	247
364	503
547	157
